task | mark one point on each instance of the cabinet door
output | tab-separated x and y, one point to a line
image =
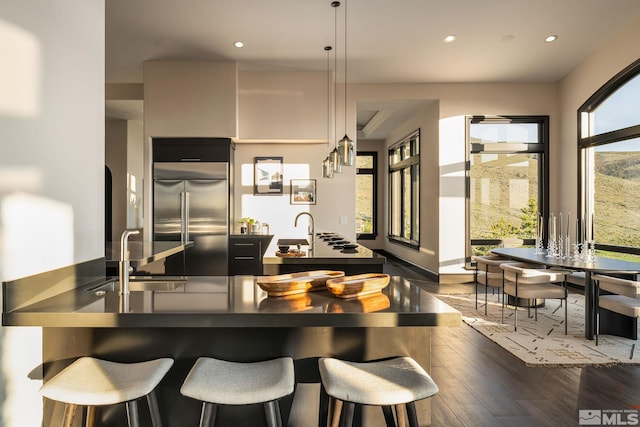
245	257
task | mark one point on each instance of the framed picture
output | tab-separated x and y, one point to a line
267	175
303	191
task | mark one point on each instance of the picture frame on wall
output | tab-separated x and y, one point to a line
303	191
267	176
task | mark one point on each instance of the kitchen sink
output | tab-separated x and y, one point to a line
136	284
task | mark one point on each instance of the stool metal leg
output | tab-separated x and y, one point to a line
411	413
272	412
132	413
208	416
154	409
388	416
69	414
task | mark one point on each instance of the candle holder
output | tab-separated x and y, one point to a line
539	245
560	248
577	248
552	248
589	251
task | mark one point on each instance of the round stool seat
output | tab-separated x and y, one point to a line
94	382
384	383
234	383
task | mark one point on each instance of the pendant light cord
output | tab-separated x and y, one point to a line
345	67
335	70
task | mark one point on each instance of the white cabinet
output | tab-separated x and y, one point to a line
282	106
190	98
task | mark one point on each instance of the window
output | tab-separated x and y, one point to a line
609	142
506	179
366	195
404	191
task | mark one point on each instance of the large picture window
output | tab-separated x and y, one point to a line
366	194
404	191
506	180
609	142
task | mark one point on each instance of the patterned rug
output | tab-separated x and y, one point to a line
543	343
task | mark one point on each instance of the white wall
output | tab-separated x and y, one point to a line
51	163
445	252
300	161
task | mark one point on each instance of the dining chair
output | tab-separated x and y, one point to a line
624	297
531	282
489	274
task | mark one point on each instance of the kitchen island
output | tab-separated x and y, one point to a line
234	319
324	257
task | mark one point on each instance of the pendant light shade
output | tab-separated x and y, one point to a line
347	151
334	156
327	168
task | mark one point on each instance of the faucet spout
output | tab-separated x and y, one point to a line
124	260
310	230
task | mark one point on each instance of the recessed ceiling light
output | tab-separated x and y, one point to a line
238	44
551	38
450	38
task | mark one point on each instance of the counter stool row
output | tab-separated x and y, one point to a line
391	383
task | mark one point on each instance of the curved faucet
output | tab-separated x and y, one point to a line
124	260
310	230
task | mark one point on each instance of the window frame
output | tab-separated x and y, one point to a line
543	170
584	143
413	143
374	176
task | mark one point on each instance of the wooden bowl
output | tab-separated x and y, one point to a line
296	283
358	285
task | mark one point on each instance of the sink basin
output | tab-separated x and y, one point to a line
141	284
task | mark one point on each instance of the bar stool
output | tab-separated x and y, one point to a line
219	382
94	382
388	383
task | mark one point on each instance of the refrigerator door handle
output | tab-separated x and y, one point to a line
184	217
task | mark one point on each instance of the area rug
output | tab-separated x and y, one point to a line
542	342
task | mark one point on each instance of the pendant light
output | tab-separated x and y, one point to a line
335	154
346	146
327	166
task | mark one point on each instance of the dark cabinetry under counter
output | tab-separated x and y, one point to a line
246	252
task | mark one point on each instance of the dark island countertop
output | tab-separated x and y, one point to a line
233	301
324	253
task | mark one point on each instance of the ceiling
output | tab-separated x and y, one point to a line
388	41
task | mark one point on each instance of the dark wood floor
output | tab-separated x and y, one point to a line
482	384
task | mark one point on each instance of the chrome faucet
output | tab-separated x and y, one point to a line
310	230
124	261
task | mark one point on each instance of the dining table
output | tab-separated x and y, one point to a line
612	323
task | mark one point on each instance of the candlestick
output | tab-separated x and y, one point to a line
561	235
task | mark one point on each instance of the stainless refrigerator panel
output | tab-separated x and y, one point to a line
190	170
204	187
166	209
208	256
208	207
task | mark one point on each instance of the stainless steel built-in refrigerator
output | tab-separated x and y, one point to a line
191	203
